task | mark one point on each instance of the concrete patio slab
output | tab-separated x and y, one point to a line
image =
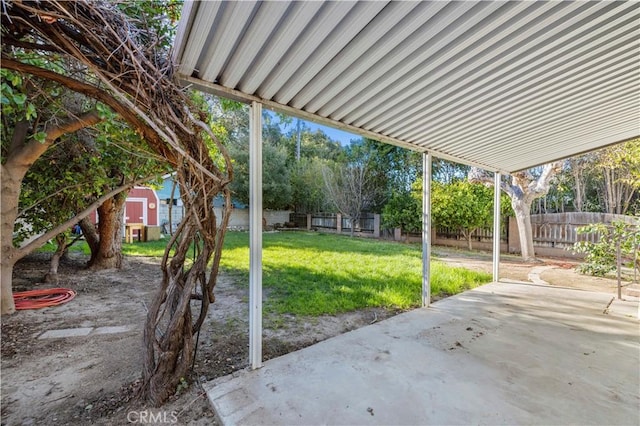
503	353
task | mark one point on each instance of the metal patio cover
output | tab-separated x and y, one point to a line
502	85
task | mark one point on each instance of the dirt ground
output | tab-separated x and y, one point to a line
89	379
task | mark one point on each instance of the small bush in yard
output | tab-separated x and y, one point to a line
601	256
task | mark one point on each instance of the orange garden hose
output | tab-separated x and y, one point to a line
36	299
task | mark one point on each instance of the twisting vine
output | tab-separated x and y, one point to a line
127	69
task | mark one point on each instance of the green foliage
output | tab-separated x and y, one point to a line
313	144
462	205
276	184
157	17
607	180
13	97
391	169
77	170
601	256
445	171
404	211
308	190
183	385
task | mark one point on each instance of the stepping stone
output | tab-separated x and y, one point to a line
66	332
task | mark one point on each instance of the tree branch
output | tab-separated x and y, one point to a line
83	88
42	200
85	120
27	154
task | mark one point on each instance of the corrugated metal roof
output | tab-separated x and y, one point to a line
502	85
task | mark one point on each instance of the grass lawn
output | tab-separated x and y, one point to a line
310	273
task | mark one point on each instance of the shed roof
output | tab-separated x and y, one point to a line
502	85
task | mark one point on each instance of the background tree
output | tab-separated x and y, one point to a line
276	179
446	171
404	211
522	188
463	206
619	166
578	168
348	189
600	181
309	194
392	169
313	143
113	155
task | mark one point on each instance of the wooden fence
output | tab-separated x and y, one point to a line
553	234
368	225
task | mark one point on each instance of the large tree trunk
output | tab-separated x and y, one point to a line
523	190
6	295
11	175
11	178
109	254
523	219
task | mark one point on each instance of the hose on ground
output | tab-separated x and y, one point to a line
36	299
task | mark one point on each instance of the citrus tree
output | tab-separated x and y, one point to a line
462	205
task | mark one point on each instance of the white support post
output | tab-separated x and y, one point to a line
426	229
255	237
496	227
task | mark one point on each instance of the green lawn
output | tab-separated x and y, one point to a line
313	274
309	273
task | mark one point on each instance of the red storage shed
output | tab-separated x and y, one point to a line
142	206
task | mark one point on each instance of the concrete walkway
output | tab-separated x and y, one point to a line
504	353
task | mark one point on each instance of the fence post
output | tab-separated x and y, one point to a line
308	221
397	234
376	225
339	223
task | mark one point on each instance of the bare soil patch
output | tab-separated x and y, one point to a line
90	379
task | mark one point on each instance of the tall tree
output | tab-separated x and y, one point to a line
446	171
349	190
579	167
309	194
134	77
276	182
392	169
619	166
522	188
114	154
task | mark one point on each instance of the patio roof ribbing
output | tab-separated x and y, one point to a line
502	85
